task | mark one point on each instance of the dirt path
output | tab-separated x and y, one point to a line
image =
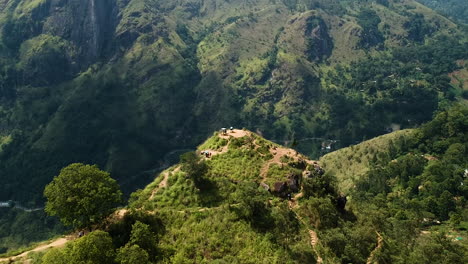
237	133
54	244
293	202
163	183
370	259
314	242
277	153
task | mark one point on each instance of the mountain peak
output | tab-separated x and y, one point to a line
230	156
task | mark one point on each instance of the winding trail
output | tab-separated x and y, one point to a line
163	183
60	242
314	240
370	259
277	153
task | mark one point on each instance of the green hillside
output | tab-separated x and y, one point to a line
455	9
411	184
125	84
352	163
140	78
228	202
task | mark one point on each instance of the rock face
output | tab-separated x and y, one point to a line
292	184
280	187
89	25
319	42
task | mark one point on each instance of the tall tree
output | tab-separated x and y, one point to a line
81	195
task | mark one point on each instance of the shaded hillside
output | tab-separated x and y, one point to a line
122	83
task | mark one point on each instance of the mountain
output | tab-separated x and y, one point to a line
122	83
125	83
455	9
242	199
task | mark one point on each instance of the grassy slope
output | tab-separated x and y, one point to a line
135	107
205	216
351	163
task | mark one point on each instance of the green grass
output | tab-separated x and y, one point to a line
216	235
179	193
213	143
351	163
237	164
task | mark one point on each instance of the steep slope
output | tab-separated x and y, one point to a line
214	206
411	186
352	163
455	9
138	78
122	83
242	199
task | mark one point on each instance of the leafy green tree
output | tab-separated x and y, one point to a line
143	237
194	166
55	256
455	219
81	195
286	225
96	247
369	21
320	212
445	205
252	206
437	249
319	185
132	254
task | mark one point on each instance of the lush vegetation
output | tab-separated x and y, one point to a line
413	197
82	195
122	83
202	214
409	206
455	9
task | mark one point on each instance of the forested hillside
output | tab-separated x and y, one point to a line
455	9
126	84
242	199
413	193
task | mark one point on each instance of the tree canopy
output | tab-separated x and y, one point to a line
81	195
94	248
